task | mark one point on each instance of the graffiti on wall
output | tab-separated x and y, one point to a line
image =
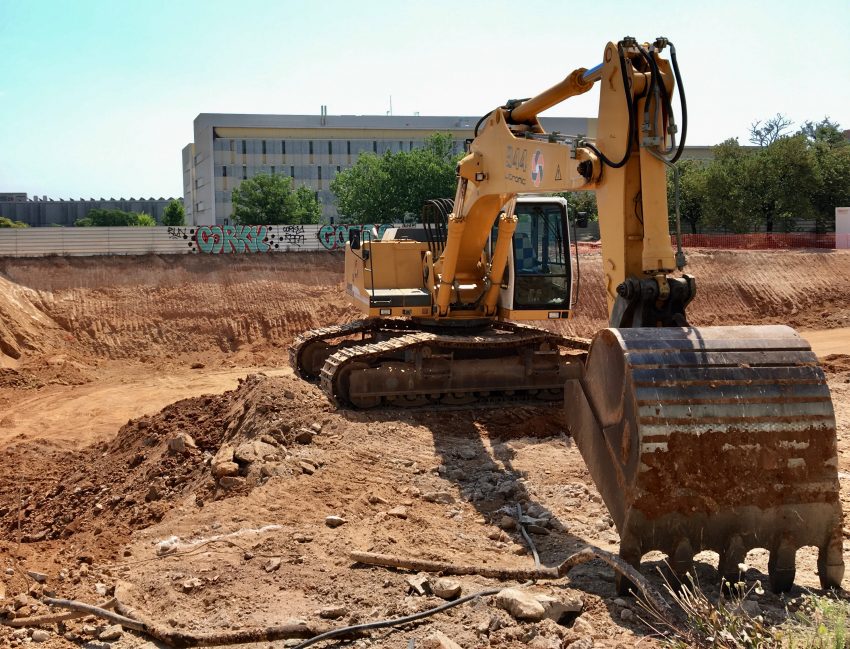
229	239
334	237
246	239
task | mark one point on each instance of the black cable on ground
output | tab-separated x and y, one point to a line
527	537
381	624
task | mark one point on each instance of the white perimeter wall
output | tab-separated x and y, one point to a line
842	227
228	239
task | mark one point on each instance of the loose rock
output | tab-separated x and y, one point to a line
272	564
111	633
398	512
333	612
231	481
445	588
440	497
40	635
304	436
40	577
191	584
521	605
335	521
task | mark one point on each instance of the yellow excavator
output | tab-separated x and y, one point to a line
698	438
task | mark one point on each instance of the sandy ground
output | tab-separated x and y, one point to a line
829	341
93	351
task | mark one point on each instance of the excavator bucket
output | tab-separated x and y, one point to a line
712	438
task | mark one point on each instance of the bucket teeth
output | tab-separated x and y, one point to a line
781	566
715	438
731	558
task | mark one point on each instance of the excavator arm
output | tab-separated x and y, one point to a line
625	166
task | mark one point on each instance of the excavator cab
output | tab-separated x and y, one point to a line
539	273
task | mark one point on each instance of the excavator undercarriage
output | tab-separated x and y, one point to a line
399	363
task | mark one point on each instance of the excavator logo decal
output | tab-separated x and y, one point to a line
537	168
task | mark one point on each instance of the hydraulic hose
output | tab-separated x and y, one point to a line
625	159
682	102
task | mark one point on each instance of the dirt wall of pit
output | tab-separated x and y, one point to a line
150	307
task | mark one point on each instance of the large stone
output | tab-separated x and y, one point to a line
40	635
223	469
445	588
520	604
558	607
222	463
181	443
255	451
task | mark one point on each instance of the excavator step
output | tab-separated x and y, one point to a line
713	438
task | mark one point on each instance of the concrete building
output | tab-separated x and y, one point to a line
310	149
42	211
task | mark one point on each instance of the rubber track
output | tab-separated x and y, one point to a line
517	336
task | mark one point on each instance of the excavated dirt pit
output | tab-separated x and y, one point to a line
155	446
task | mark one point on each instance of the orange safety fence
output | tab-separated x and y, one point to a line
751	241
761	240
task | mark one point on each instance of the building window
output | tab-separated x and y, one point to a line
330	149
319	169
374	146
411	146
338	169
283	149
311	151
244	147
348	148
292	171
401	146
264	147
272	170
224	172
244	172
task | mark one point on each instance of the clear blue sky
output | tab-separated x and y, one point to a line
97	97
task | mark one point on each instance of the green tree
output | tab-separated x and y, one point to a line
581	202
101	217
269	200
393	187
725	202
9	223
174	214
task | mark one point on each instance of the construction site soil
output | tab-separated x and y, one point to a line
155	447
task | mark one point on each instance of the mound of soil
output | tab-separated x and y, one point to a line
155	463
